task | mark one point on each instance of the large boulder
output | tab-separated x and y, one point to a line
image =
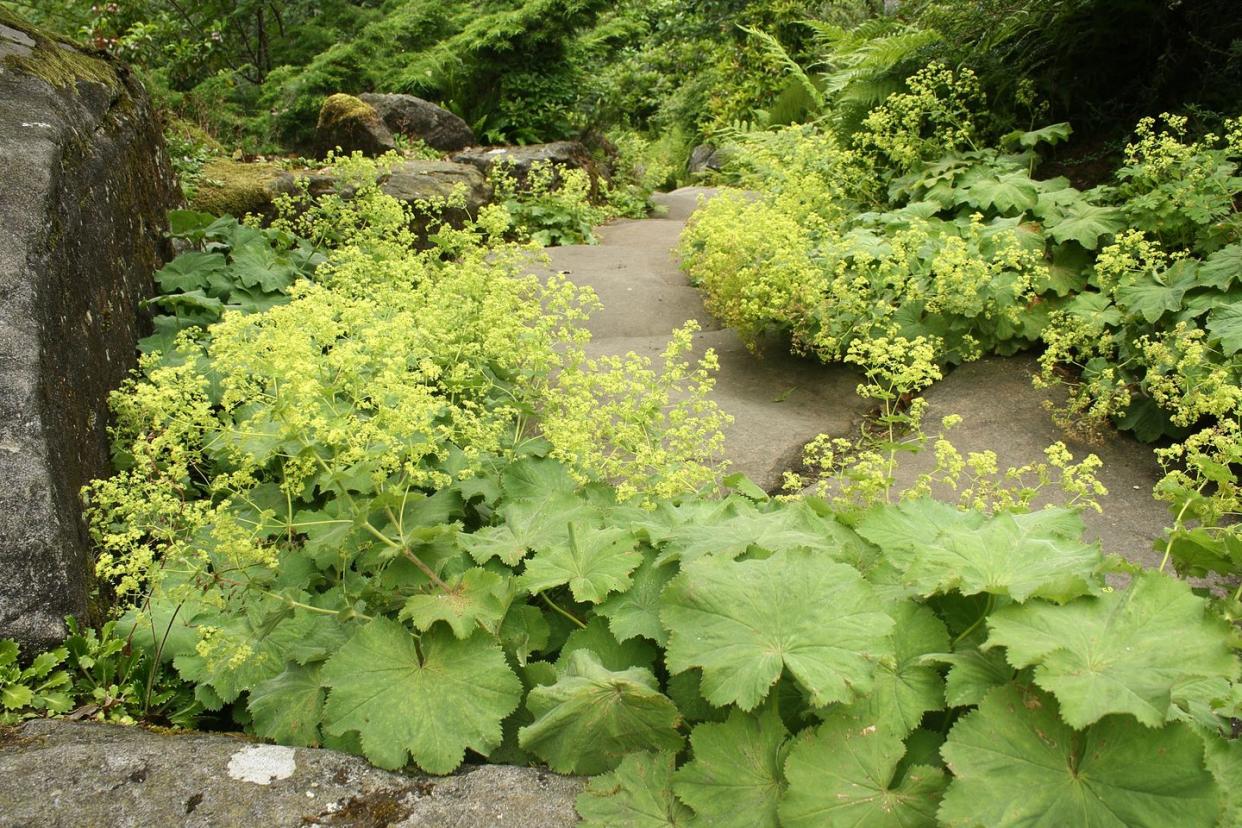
350	125
418	180
415	118
58	773
84	193
239	187
567	154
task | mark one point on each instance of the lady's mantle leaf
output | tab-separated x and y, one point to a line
792	526
1037	554
843	775
1121	653
593	561
431	705
1016	763
477	598
744	622
638	794
1225	325
613	654
1087	224
636	612
906	686
528	524
287	709
592	717
735	779
972	675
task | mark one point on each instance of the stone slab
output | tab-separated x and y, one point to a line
60	774
1003	412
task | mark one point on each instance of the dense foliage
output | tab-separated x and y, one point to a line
373	494
362	519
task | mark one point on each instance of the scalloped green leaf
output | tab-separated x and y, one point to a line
1008	193
191	270
791	526
1222	269
592	717
533	524
1039	554
744	622
1123	652
1225	325
592	561
1150	299
1086	224
735	778
638	794
844	773
973	674
476	598
906	686
429	698
636	611
1016	763
288	708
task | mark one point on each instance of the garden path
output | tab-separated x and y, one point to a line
779	401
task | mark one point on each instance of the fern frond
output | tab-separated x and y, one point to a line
775	52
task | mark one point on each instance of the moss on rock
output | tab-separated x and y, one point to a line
349	124
236	188
55	59
341	108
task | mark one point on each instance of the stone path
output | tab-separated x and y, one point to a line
645	296
778	402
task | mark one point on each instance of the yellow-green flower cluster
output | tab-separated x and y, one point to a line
394	374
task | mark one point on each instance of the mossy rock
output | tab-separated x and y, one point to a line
50	57
350	124
235	188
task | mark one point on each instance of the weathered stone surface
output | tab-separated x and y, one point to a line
570	154
422	180
415	118
704	158
83	196
351	125
239	187
56	774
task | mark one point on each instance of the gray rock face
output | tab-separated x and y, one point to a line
416	180
84	191
704	158
56	774
570	154
421	180
413	117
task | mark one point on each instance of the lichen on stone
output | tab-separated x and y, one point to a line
55	59
340	108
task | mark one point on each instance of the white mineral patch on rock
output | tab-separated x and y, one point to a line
262	764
